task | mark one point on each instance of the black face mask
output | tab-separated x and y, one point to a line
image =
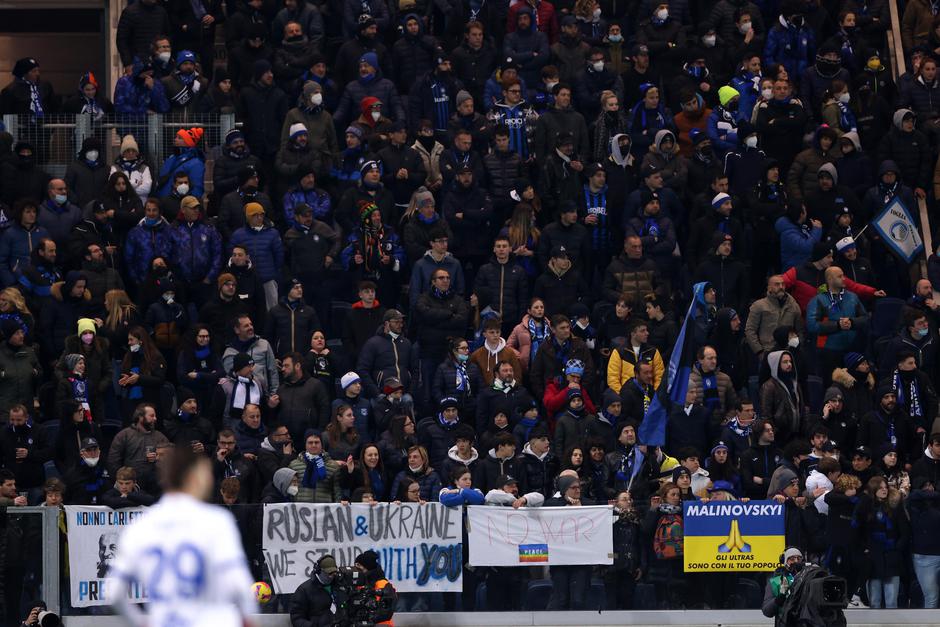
26	161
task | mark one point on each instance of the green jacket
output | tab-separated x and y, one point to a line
327	490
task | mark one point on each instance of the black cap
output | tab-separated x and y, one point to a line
397	127
89	443
509	63
240	361
592	169
862	451
559	252
564	137
464	167
505	479
650	169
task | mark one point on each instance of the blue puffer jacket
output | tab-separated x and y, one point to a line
796	243
15	246
744	83
192	162
131	96
145	242
197	250
794	48
265	249
318	200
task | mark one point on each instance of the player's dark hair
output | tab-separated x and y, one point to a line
179	464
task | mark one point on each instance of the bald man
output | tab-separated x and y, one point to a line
837	321
57	213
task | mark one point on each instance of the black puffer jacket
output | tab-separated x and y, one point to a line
289	327
139	24
438	317
502	172
310	605
909	151
504	287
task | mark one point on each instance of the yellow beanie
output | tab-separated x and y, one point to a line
84	325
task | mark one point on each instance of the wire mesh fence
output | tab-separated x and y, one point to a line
56	139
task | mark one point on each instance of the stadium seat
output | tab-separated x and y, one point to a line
644	597
480	601
597	596
537	595
749	593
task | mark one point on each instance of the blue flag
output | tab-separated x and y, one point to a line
652	430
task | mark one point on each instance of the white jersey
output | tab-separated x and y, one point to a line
188	556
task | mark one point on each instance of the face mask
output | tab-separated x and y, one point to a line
616	39
168	298
462	357
257	228
376	115
597	13
744	28
793	342
696	71
662	14
922	332
394	335
134	349
164	57
292	490
183	189
598	66
709	41
92	155
767	94
751	141
874	64
845	98
91	462
61	199
316	100
88	338
550	86
151	221
797	20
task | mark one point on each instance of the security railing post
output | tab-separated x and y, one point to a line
155	138
51	566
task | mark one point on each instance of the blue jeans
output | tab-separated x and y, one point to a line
927	569
886	589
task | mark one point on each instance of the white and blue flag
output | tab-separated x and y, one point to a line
898	230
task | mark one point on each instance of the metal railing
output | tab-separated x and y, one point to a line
58	138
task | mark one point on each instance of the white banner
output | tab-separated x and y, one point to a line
93	533
539	536
419	546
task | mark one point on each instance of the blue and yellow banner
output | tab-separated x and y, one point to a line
732	536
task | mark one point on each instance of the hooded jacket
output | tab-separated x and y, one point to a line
802	178
522	46
673	166
781	398
412	55
378	87
908	150
16	245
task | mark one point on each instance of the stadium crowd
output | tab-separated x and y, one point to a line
447	254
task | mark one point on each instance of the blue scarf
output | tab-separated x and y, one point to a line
908	393
537	335
463	381
315	470
136	392
710	390
737	429
527	424
846	118
35	102
378	484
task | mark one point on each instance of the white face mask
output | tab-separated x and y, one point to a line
183	189
257	228
744	28
751	141
845	98
92	461
394	335
92	155
597	13
767	94
793	342
709	41
168	298
550	86
61	198
598	66
292	490
164	57
316	100
376	115
662	14
135	348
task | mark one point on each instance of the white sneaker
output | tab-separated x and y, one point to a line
857	604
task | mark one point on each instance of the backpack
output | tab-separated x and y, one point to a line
667	539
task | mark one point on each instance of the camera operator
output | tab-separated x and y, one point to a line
779	584
312	603
39	617
385	596
359	596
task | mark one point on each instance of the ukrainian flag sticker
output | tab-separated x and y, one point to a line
732	536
